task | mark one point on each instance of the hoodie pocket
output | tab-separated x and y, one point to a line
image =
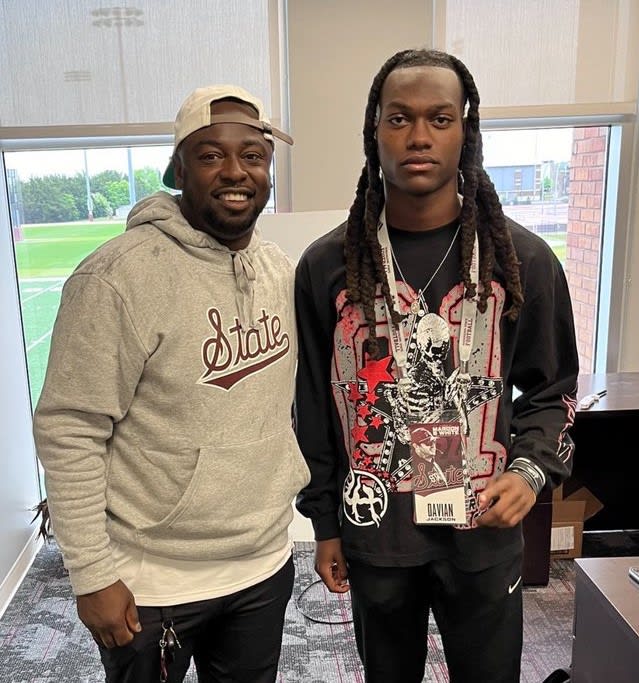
237	494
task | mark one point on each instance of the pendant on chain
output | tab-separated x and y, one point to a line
414	307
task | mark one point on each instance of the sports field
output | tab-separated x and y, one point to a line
46	255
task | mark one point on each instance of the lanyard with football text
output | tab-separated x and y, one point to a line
398	342
469	315
469	306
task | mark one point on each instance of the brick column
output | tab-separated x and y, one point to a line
583	240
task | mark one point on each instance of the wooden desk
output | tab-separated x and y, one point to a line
606	626
610	472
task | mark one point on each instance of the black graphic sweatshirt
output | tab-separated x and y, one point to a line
351	417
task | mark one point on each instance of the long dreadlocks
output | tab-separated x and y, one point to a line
481	212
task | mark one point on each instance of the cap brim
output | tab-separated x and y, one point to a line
169	176
269	131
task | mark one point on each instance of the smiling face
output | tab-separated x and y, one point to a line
420	134
223	172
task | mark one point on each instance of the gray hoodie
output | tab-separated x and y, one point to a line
165	418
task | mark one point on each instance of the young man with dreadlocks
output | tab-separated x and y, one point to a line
428	312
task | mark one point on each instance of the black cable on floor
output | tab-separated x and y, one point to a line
313	619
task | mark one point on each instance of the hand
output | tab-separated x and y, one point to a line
331	565
110	614
512	498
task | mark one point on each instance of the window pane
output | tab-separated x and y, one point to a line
552	181
64	204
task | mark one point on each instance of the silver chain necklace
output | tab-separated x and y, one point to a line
414	307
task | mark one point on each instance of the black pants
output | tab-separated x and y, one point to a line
233	639
479	616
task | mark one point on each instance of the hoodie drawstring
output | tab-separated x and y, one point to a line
245	293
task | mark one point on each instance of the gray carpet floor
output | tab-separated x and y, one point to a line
42	640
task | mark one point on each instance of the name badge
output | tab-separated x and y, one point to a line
439	466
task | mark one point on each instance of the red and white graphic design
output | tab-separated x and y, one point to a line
376	410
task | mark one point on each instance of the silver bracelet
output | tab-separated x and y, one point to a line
530	472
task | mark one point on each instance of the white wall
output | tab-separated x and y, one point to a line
335	48
18	483
293	232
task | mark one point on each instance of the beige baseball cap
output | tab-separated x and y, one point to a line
195	113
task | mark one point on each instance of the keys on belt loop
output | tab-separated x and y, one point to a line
168	642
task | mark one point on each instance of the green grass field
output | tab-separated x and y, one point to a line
54	250
45	256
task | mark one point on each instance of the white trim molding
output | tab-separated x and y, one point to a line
19	570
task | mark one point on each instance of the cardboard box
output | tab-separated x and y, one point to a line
568	517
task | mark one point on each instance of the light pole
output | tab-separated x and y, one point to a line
80	76
88	186
106	17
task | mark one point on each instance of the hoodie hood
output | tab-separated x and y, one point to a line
162	210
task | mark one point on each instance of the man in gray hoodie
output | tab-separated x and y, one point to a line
164	425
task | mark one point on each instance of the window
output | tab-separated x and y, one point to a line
63	204
553	182
564	82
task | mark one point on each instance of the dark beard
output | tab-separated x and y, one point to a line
225	227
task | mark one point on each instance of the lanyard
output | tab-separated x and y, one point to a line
469	306
469	315
398	342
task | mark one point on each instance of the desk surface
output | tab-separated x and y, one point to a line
610	576
622	396
606	625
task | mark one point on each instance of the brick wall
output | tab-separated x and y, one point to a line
587	168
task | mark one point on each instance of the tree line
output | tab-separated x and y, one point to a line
61	198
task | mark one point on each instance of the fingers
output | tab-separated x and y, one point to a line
122	635
331	565
340	570
491	494
131	618
502	515
114	636
334	578
507	500
110	614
